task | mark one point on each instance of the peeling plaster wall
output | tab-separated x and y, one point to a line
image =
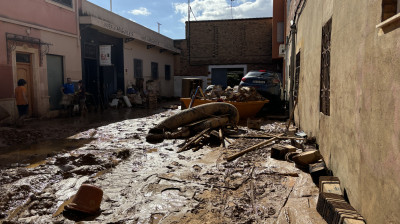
360	140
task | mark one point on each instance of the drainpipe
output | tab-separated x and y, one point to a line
78	33
292	65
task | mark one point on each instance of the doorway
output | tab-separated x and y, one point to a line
24	71
55	77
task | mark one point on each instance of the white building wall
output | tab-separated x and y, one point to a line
138	50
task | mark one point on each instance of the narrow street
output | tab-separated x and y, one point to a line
148	183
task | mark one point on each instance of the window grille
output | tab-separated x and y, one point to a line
167	72
67	3
137	68
390	8
325	68
154	70
296	77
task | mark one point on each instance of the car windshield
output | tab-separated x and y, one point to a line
257	74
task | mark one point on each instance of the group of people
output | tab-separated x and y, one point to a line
69	96
68	90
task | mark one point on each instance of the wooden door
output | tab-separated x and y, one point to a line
24	71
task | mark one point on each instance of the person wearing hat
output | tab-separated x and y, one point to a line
21	99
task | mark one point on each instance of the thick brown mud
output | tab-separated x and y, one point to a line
151	183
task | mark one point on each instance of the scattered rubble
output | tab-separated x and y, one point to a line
150	183
236	94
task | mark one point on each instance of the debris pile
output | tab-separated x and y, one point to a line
198	121
235	94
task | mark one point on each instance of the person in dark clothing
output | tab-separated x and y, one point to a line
82	98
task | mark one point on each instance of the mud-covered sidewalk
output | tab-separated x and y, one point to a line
152	183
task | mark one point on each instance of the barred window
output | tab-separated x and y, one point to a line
390	8
154	70
325	68
167	72
67	3
137	68
297	77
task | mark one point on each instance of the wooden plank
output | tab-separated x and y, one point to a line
236	155
192	140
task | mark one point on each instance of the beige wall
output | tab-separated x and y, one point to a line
70	49
138	50
63	45
360	140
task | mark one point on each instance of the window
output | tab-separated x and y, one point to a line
390	8
137	68
67	3
325	68
25	58
167	72
296	77
154	70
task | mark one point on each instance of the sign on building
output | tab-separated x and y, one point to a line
105	55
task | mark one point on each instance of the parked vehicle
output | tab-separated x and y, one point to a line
266	83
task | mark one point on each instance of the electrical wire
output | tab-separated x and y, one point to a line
193	13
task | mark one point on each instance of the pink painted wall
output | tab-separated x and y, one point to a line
41	13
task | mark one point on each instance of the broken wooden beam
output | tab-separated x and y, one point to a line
185	147
268	136
221	138
236	155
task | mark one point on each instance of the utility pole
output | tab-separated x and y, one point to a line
111	5
231	8
159	24
188	32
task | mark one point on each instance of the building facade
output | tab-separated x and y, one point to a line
41	45
279	38
222	49
135	54
346	57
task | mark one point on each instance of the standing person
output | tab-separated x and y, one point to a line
82	98
21	99
68	88
68	91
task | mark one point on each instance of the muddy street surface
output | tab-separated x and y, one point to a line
147	183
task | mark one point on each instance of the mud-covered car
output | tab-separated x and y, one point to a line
266	83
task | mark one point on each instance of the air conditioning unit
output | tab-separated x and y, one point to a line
281	50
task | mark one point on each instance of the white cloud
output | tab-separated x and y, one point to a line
142	11
221	9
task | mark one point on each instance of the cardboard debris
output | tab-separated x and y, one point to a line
305	158
327	179
280	151
334	208
317	169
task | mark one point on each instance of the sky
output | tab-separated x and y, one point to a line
172	14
